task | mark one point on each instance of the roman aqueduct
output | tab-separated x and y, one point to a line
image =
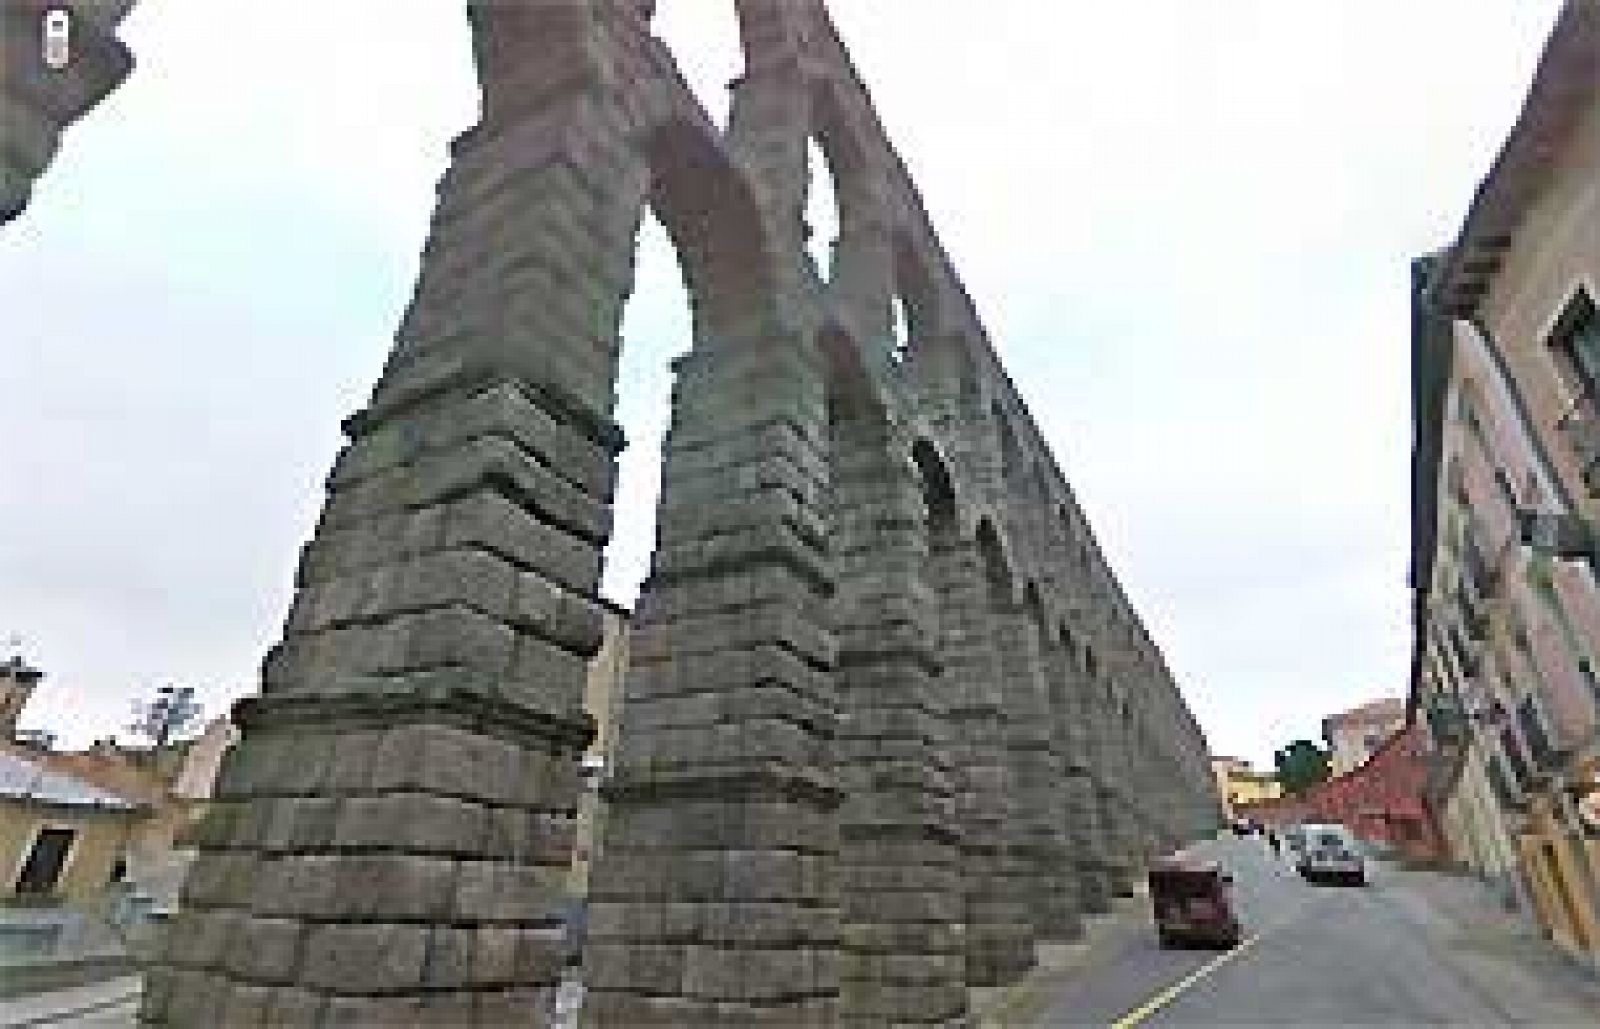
890	725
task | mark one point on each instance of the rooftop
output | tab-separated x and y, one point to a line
1384	709
27	779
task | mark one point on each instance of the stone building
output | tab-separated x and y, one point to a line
1355	735
890	724
1506	346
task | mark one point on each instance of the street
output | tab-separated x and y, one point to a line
1410	948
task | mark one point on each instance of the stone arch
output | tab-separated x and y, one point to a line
445	611
859	190
891	745
709	210
939	352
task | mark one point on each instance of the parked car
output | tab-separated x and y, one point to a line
1193	903
1330	852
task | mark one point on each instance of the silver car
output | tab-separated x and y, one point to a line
1330	852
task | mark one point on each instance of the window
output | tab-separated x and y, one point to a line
1516	760
1508	492
1586	672
1531	719
41	873
1575	345
1534	489
1469	414
1473	561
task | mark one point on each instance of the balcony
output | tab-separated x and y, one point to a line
1447	721
1580	427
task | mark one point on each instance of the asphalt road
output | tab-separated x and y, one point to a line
1412	948
1408	949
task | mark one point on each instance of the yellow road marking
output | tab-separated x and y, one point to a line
1168	995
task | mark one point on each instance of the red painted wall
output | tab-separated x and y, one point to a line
1380	802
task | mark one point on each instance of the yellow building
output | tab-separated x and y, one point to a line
1240	785
61	839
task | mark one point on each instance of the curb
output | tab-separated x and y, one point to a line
1020	1002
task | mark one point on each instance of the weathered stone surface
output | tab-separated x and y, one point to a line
888	718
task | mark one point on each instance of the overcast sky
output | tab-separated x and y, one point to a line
1186	225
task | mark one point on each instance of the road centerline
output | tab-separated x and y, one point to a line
1173	992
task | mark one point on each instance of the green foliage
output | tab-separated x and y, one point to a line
1301	765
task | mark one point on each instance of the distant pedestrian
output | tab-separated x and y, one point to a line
1272	841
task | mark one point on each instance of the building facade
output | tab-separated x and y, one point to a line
1241	786
1506	354
62	839
1355	735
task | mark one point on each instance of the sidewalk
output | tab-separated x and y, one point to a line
112	1002
1105	938
1500	952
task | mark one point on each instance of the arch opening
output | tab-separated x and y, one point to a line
656	328
699	271
1010	449
706	44
1033	603
938	491
899	334
822	221
997	570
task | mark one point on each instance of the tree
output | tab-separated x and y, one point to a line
161	718
1301	765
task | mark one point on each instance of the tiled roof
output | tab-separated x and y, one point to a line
23	778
